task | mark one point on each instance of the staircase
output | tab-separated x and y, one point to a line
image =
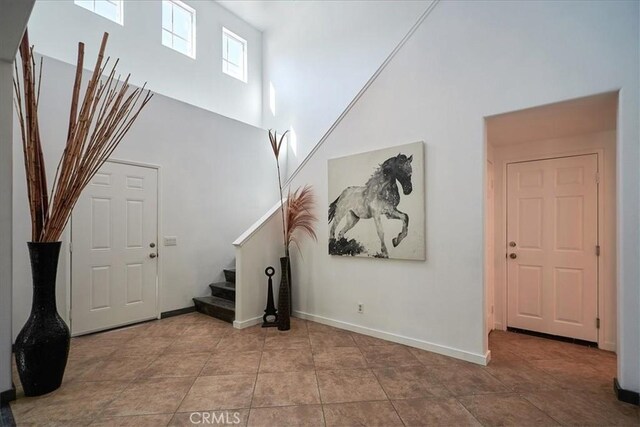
222	302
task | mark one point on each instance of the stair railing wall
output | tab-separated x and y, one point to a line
258	248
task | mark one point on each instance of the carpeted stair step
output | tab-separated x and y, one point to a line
224	290
230	275
216	307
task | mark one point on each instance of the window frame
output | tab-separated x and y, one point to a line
226	33
118	3
177	3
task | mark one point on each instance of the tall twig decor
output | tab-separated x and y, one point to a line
276	145
97	124
297	210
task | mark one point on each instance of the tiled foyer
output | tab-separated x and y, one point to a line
159	373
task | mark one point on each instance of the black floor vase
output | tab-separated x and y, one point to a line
284	303
42	346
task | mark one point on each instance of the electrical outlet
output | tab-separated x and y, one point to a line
360	308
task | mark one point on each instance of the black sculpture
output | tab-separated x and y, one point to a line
270	311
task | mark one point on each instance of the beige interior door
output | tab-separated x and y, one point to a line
552	233
114	254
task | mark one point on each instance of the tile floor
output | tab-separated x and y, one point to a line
195	370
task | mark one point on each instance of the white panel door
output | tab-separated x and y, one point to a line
552	233
114	249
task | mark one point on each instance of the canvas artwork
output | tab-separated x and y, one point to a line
377	204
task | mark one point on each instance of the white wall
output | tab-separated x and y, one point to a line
56	27
582	144
322	56
6	162
215	181
13	20
467	61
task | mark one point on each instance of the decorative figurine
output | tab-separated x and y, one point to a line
270	311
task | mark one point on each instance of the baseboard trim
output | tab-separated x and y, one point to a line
608	346
241	324
623	395
400	339
177	312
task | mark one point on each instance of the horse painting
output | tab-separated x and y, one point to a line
378	197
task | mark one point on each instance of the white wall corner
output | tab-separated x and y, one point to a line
6	223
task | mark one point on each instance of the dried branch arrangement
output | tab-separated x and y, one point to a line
276	145
97	124
299	209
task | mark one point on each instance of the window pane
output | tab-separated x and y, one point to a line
166	38
234	49
181	23
181	45
166	15
87	4
235	52
106	9
234	70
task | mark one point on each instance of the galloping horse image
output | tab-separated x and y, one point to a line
379	196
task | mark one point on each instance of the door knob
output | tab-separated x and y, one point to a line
512	244
513	256
152	255
152	245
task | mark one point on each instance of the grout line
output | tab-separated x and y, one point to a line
183	398
540	409
315	374
386	394
255	382
467	409
396	409
378	380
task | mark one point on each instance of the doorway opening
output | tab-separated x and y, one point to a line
550	220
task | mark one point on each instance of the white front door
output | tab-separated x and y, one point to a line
552	233
114	249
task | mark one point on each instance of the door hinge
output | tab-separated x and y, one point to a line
70	247
597	323
597	250
597	178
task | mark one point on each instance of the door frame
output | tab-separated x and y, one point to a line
490	256
158	234
604	257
